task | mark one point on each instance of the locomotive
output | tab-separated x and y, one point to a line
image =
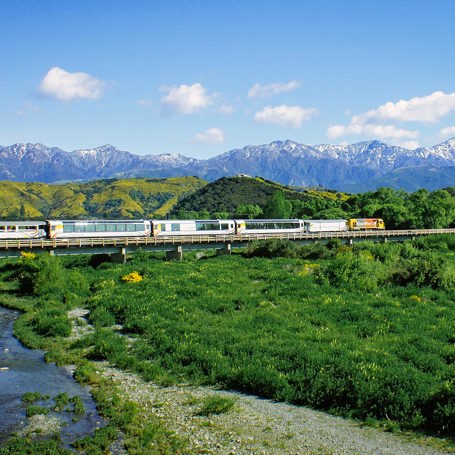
64	229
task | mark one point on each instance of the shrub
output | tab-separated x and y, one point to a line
42	276
353	271
215	405
52	322
133	277
31	397
35	410
108	345
101	317
272	249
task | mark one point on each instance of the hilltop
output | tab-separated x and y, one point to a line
227	194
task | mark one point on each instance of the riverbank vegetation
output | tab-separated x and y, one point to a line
364	332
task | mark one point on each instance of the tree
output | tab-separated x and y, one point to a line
249	211
278	206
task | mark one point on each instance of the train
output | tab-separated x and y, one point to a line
66	229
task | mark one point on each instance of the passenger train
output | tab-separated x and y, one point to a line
65	229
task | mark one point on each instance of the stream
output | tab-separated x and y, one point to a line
24	370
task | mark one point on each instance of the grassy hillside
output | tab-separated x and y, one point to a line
113	198
228	193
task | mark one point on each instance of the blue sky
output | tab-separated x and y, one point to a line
203	77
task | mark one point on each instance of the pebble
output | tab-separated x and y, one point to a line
257	426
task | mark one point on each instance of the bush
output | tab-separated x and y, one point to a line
272	249
52	322
215	405
101	317
108	346
353	270
42	276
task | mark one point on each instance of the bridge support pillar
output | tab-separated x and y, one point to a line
175	254
350	242
385	239
120	257
223	251
52	252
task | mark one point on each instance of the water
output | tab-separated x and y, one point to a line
24	370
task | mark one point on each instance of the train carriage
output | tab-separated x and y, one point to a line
269	226
161	228
315	226
98	228
22	229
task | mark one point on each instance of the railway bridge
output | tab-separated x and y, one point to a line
120	248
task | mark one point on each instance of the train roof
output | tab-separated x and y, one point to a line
22	223
96	221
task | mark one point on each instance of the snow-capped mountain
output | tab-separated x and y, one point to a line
36	162
354	167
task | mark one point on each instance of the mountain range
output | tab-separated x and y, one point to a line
357	167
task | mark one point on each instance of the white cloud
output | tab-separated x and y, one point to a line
447	132
65	86
424	109
262	91
370	130
291	116
211	136
185	99
376	122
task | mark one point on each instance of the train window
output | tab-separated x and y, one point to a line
66	227
207	226
134	227
90	228
2	228
175	227
224	226
79	228
110	227
10	228
120	227
100	227
26	228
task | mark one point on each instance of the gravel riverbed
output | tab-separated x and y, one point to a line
257	426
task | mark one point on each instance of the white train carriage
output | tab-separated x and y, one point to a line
98	228
269	226
22	229
161	228
315	226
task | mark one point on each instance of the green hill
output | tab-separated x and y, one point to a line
112	198
228	193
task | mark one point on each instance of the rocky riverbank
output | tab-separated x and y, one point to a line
257	426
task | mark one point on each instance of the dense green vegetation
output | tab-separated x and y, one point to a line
363	331
242	197
233	197
112	198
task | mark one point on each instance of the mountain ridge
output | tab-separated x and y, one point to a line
365	164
